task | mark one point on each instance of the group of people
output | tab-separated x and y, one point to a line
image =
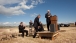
37	24
31	24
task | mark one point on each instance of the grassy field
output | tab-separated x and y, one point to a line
66	35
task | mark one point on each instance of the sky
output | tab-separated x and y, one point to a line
12	12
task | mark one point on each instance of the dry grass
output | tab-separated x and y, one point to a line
66	35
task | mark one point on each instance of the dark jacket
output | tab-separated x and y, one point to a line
75	23
21	28
47	18
36	22
41	27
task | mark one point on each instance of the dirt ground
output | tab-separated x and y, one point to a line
66	35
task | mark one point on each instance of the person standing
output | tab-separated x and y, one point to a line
21	29
47	16
30	27
36	25
31	24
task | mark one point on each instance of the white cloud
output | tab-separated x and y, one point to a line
15	22
10	11
11	23
34	15
5	23
36	2
24	6
18	9
4	2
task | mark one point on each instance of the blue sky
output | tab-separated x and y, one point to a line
64	9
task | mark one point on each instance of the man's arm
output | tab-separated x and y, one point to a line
50	14
46	16
21	27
